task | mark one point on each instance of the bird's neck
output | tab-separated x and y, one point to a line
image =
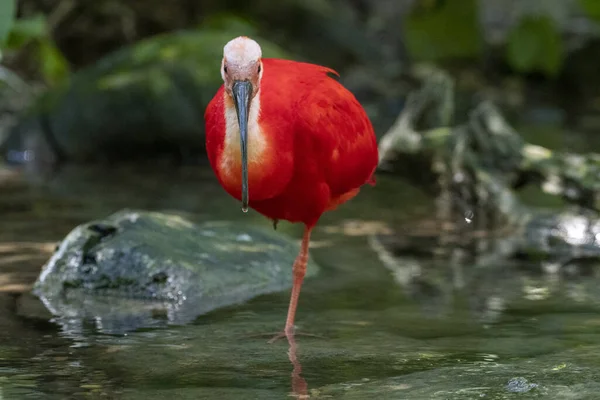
270	152
256	137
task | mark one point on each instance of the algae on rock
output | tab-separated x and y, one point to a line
135	265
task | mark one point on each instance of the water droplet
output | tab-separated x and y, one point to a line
469	216
244	209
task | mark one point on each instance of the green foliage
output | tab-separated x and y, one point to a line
34	31
443	30
7	13
438	31
233	24
25	30
591	8
535	45
54	66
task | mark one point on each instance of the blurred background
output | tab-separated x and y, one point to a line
532	56
101	109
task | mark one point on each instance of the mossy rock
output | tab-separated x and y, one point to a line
138	268
142	101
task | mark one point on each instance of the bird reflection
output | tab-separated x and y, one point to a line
299	385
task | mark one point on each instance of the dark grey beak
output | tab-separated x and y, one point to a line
242	91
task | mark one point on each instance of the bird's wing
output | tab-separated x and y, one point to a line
341	134
215	127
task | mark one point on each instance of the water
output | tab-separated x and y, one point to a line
372	326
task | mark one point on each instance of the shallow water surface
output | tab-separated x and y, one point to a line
377	327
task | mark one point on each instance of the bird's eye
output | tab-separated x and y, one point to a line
225	69
259	67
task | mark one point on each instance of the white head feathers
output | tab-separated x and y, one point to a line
242	52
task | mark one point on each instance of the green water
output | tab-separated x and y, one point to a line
380	328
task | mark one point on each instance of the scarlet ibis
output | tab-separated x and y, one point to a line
288	140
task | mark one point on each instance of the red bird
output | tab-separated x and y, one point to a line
288	140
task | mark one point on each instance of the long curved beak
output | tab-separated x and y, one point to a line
241	98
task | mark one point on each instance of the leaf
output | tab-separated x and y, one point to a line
27	29
443	30
7	14
231	23
53	64
591	8
535	45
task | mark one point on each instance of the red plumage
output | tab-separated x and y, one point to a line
322	147
310	144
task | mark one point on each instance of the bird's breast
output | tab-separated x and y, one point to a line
262	157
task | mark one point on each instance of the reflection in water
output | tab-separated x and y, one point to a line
299	385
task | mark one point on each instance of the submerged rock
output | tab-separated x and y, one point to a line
520	385
135	266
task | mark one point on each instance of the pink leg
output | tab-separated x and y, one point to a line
299	270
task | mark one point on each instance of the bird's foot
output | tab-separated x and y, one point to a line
280	335
292	335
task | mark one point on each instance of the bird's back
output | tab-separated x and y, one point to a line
327	120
